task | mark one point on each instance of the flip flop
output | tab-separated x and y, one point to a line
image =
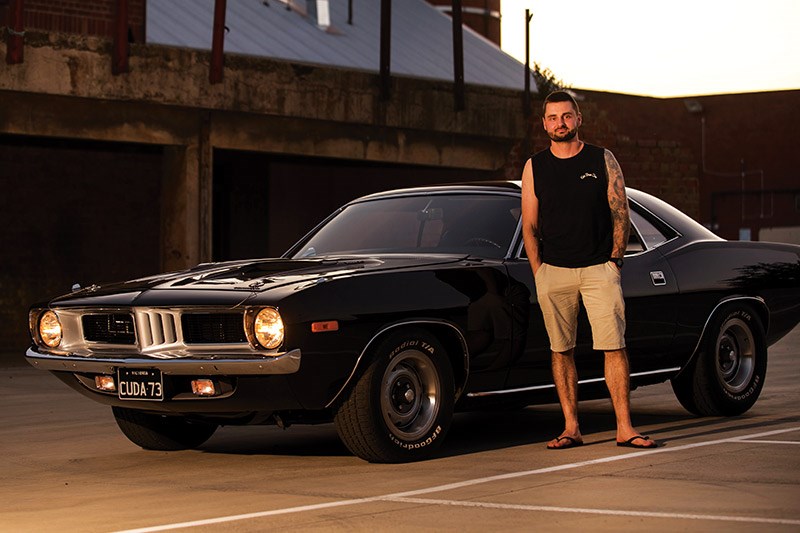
571	443
630	444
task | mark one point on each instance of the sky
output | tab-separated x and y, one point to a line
664	48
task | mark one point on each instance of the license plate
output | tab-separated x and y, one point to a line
140	384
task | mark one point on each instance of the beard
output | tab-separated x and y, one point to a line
563	137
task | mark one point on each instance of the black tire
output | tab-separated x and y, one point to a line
728	374
402	406
160	432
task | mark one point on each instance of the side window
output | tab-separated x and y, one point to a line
652	233
635	244
647	232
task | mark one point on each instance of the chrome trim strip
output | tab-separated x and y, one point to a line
459	389
551	386
281	363
158	331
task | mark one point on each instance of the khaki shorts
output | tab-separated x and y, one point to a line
560	290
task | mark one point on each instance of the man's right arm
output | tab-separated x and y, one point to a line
530	218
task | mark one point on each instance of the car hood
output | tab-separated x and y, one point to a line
233	282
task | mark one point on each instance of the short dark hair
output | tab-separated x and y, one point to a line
560	96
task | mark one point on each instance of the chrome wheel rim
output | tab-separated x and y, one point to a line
735	358
410	391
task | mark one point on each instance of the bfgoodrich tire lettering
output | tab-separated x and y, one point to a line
728	375
401	407
158	432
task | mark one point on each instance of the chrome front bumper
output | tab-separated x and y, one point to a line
280	363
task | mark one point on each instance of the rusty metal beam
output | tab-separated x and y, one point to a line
121	49
218	43
458	57
386	39
15	33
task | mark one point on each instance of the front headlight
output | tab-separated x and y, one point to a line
268	328
50	329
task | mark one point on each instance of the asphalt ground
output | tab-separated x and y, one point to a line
64	466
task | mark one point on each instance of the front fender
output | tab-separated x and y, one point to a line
453	340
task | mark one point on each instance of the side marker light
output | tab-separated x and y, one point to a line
329	325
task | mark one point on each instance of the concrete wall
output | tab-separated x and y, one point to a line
167	113
65	89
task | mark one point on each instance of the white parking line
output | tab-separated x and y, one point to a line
471	482
772	441
608	512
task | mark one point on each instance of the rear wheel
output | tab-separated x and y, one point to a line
402	406
160	432
728	374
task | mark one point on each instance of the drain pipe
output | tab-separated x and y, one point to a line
694	107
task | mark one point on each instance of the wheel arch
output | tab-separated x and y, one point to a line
756	302
451	337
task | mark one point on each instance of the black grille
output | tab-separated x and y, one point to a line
213	328
109	328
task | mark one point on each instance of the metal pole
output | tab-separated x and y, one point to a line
386	39
218	43
350	12
526	99
121	50
458	56
16	35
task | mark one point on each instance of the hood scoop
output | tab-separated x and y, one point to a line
260	275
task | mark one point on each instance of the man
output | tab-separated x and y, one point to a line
575	224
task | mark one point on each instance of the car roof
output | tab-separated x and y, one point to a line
463	187
669	214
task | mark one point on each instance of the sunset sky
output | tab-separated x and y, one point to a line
667	48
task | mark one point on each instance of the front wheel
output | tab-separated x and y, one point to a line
728	374
401	407
160	432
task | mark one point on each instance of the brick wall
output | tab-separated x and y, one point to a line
85	17
483	16
739	149
729	161
656	163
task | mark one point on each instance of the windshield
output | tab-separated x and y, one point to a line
469	224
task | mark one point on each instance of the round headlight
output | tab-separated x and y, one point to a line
268	328
50	329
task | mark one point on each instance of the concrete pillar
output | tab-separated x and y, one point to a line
186	202
179	208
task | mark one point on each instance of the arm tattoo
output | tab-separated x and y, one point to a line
618	203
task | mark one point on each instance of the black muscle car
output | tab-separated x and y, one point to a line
401	308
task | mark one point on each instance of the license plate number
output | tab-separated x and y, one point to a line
140	384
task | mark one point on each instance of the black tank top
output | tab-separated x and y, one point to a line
574	218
